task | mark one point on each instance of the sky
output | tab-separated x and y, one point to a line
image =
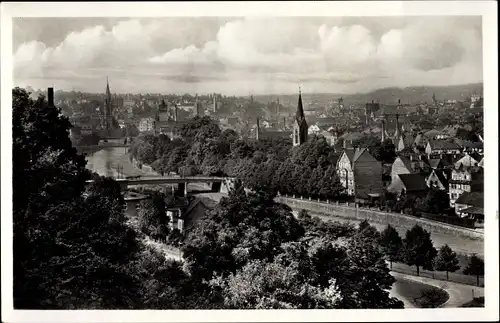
246	55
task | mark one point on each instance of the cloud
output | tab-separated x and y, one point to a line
261	54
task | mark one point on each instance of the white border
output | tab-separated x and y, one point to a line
486	9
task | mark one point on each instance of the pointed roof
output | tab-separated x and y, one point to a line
108	92
299	114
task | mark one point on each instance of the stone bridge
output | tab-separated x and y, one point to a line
218	184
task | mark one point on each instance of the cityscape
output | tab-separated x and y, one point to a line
348	173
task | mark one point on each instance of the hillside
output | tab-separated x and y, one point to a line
414	94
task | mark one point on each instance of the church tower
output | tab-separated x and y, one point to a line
300	124
108	110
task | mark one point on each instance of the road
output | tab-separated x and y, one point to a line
459	293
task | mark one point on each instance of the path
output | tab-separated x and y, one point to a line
459	293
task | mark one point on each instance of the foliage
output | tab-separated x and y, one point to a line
475	267
446	260
418	249
71	250
435	202
391	244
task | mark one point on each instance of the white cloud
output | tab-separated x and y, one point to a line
260	54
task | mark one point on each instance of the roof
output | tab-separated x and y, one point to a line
325	122
352	136
406	161
441	176
434	163
443	145
414	182
473	210
299	114
275	133
473	199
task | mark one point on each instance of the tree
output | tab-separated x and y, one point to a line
391	244
475	267
71	250
435	202
418	249
446	260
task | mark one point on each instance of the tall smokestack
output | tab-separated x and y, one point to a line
215	103
50	96
175	112
284	123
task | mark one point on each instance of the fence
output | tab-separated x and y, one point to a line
351	211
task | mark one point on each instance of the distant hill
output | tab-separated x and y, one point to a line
413	95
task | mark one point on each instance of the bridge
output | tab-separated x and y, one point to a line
218	183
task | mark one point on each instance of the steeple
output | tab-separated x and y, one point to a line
300	126
299	114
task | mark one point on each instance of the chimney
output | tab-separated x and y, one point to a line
175	112
284	123
50	96
344	143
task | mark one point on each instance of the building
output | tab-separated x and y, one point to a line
184	215
359	172
300	127
410	184
313	130
470	203
438	179
442	147
146	124
469	160
108	110
465	179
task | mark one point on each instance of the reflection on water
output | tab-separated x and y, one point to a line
105	161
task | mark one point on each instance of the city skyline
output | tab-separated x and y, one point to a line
244	56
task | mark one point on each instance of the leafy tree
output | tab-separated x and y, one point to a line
391	244
71	250
436	202
475	267
330	187
418	249
446	260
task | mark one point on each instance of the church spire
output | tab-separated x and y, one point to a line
299	115
300	126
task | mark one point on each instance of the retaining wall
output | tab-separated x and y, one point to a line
400	221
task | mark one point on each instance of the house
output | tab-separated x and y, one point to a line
359	172
468	160
409	164
438	179
437	147
405	141
439	163
146	124
313	130
469	146
470	204
409	184
184	215
465	179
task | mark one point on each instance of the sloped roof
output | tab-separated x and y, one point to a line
481	163
414	182
405	160
434	163
473	199
473	210
326	122
441	176
443	145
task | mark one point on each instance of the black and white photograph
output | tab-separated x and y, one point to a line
244	159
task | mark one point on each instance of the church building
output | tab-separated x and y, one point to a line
300	127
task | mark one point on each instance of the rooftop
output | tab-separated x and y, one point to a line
473	199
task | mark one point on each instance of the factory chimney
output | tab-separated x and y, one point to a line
50	96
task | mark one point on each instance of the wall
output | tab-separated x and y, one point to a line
461	239
368	177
